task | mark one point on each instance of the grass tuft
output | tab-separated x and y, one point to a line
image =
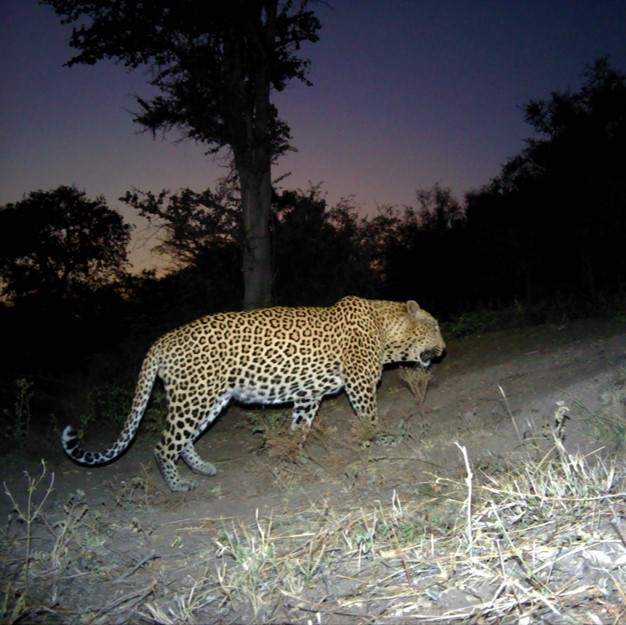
417	379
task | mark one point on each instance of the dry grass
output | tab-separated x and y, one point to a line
417	379
281	443
538	542
541	539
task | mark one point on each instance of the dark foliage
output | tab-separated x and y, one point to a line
320	252
60	245
552	224
62	257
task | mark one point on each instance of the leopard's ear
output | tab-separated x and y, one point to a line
413	309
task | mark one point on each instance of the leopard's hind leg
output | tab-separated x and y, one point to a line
189	454
195	463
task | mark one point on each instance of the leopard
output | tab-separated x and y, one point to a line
275	355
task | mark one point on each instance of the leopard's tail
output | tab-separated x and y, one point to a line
145	382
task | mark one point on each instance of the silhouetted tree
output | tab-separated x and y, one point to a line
62	260
200	233
59	244
581	154
414	240
437	209
552	224
320	250
190	223
214	67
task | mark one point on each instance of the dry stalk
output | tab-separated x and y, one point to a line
33	511
617	524
468	502
151	556
130	599
510	413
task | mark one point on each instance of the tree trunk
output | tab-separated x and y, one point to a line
256	197
248	116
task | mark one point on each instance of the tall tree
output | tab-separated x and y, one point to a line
214	67
58	244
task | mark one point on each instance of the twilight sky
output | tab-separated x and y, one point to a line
406	93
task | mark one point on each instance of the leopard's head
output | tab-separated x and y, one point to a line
416	337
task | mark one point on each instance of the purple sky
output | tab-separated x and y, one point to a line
406	93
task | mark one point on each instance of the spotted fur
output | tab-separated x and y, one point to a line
268	356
